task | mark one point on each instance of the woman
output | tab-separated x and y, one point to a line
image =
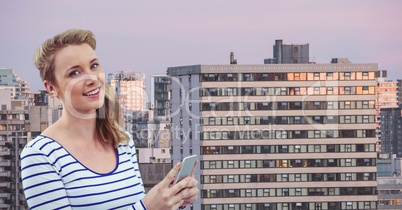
85	159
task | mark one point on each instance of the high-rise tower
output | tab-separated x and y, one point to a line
282	136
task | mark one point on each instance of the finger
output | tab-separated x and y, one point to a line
179	197
192	192
171	175
180	186
177	205
195	164
192	183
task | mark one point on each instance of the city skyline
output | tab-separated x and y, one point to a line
150	37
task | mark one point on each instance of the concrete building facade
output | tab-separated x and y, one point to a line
386	97
391	131
289	136
130	89
160	97
289	53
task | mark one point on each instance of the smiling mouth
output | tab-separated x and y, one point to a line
93	92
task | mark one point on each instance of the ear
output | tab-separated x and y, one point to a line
51	89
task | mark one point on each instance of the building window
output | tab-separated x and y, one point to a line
266	192
349	205
348	176
330	90
285	192
285	177
298	191
346	76
297	177
231	178
348	162
297	149
213	179
348	147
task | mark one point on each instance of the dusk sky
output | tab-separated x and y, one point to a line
150	36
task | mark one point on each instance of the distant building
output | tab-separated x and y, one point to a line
289	53
10	80
386	97
389	182
130	89
20	121
391	131
160	96
299	136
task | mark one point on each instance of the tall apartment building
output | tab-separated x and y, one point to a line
283	136
10	80
130	89
391	131
386	97
160	96
289	53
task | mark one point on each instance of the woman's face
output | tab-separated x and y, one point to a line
79	79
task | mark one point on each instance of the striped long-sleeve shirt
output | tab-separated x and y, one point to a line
53	179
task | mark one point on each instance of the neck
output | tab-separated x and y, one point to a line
80	127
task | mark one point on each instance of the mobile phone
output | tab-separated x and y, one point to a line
186	168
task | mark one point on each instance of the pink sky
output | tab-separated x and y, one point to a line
150	36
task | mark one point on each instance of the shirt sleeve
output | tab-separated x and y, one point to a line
42	184
139	205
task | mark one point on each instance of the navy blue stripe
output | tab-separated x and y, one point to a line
62	207
34	154
44	145
102	176
37	141
123	153
142	204
96	185
101	193
36	164
32	207
97	203
65	165
53	151
128	160
49	191
71	172
36	185
38	174
60	158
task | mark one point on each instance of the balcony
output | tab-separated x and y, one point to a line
5	184
5	174
4	153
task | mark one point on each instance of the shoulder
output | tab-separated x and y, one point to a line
129	145
40	145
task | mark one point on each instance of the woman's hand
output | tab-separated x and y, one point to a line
165	196
192	188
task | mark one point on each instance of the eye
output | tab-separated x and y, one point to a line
94	66
74	73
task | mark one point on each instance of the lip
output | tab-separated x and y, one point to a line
94	95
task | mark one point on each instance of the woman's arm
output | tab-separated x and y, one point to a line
43	186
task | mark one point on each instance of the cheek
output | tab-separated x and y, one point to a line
73	89
102	77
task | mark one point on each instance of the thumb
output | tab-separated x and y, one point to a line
171	175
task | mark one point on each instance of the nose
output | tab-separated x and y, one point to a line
91	79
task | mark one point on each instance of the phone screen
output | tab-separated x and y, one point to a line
186	168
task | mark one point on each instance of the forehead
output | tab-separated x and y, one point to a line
73	55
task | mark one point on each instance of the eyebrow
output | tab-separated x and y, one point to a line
76	66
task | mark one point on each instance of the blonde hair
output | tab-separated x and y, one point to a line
109	123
